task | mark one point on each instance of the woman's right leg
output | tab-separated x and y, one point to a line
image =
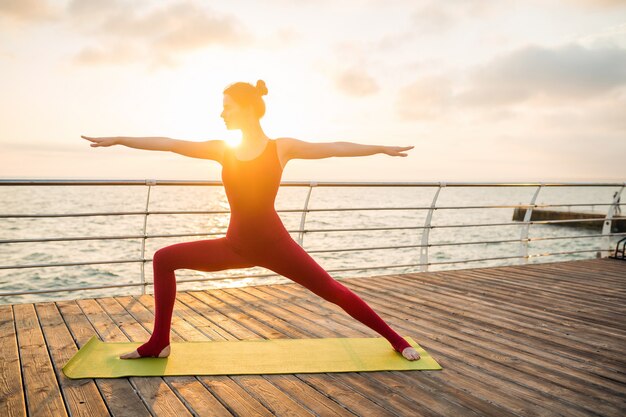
202	255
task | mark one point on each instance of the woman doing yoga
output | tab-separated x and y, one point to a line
251	176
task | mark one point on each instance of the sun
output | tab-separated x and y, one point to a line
232	142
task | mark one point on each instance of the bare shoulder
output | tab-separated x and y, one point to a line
293	148
287	146
285	142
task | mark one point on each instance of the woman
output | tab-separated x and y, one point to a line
251	175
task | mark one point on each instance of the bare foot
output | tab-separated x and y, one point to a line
134	354
410	353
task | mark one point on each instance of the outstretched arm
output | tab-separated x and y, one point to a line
149	143
298	149
210	149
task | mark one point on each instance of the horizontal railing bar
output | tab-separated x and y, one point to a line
110	213
332	250
513	257
308	210
516	223
123	261
532	239
72	289
290	231
457	243
537	255
577	204
74	182
83	238
598	219
518	206
32	240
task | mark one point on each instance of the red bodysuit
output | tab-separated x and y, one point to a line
255	236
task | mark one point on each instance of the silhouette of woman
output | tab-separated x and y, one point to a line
251	176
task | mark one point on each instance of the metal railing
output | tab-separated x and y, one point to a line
423	263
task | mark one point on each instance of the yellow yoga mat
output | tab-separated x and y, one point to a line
97	359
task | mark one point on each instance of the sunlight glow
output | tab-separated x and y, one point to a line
233	142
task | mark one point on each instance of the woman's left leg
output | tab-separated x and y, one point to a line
288	259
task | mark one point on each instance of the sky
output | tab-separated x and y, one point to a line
486	90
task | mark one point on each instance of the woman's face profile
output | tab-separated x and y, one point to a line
233	114
230	112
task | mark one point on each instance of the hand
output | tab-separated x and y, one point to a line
97	142
396	150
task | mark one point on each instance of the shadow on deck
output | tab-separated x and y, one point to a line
533	340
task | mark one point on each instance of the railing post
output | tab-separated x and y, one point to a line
426	230
304	211
523	243
149	183
608	220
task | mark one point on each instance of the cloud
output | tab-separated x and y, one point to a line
28	10
161	34
555	74
356	82
534	75
426	98
597	4
118	53
90	8
613	36
435	17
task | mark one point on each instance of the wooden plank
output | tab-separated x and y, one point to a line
12	401
514	326
81	396
529	350
414	383
482	398
275	402
187	325
535	298
114	324
491	366
344	396
216	384
43	396
509	306
119	394
187	311
369	383
559	283
291	326
585	293
611	269
559	385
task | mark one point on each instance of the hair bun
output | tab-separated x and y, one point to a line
260	86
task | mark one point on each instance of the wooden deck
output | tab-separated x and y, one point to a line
537	340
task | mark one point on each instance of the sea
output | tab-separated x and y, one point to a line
397	207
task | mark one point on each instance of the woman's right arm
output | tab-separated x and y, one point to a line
210	149
156	143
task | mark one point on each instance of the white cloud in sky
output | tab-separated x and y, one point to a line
126	33
563	73
552	76
356	82
28	10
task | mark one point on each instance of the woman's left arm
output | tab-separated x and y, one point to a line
298	149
